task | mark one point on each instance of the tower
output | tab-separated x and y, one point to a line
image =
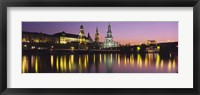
89	38
109	32
97	35
109	38
109	43
81	35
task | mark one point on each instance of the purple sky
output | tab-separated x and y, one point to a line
123	32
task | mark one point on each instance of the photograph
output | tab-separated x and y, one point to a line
129	47
99	47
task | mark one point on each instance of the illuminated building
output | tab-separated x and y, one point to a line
151	42
81	37
109	39
65	38
60	38
96	44
34	40
34	37
152	46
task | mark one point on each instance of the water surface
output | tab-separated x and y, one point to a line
100	63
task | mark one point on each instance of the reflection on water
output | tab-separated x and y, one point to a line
100	63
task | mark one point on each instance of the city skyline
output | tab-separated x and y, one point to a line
123	32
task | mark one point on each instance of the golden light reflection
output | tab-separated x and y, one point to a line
150	58
132	60
36	64
139	60
62	66
125	59
169	66
161	64
118	59
71	62
72	59
157	60
146	61
65	63
174	64
32	61
128	60
74	63
79	60
61	63
94	58
104	58
70	67
100	59
24	64
85	61
51	61
57	64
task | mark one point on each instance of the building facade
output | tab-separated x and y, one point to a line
35	39
59	38
65	38
109	43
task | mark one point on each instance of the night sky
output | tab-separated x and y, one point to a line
123	32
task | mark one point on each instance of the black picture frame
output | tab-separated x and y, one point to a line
99	3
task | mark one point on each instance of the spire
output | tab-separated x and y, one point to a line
89	37
109	27
88	34
97	29
97	35
109	32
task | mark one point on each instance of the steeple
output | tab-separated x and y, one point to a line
89	35
96	29
97	35
109	27
109	32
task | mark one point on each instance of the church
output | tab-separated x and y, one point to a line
109	43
